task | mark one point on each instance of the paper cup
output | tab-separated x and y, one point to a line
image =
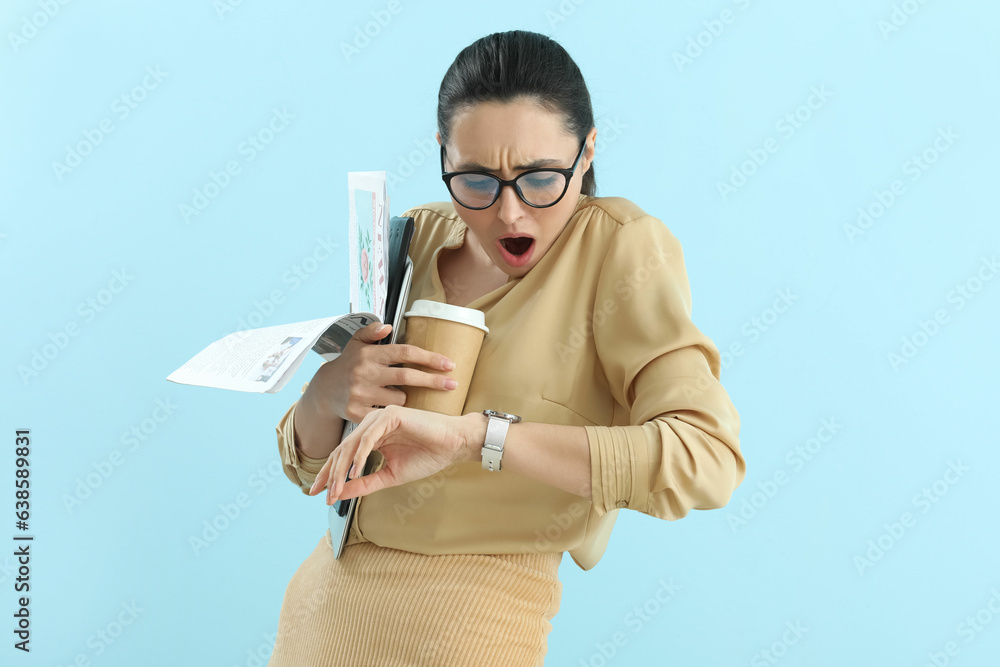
455	332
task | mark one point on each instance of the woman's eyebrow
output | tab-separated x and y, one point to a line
475	166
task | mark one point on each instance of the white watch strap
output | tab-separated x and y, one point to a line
496	433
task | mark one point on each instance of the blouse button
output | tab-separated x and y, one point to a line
621	503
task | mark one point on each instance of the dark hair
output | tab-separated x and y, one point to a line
505	66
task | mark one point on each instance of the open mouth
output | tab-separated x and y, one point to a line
517	251
517	245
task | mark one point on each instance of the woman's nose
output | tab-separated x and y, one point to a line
510	207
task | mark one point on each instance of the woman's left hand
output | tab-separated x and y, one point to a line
414	443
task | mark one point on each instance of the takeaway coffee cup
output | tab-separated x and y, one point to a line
455	332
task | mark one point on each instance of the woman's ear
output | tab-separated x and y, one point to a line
588	152
437	135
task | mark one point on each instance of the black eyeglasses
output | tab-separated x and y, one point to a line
538	188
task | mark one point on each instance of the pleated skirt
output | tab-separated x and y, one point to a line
385	607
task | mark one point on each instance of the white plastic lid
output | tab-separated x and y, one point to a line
446	311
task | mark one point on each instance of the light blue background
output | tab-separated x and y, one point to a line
670	133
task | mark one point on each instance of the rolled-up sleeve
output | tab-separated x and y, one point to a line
298	467
681	450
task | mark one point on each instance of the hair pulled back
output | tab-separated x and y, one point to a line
507	66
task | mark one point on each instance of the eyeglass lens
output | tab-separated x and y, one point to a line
539	188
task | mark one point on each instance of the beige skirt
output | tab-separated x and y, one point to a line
386	607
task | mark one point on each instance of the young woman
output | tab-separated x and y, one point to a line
590	343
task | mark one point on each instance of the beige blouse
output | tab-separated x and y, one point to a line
598	334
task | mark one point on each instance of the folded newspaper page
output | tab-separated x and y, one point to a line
264	360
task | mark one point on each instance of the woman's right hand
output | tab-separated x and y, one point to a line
364	375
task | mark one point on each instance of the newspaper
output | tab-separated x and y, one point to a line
264	360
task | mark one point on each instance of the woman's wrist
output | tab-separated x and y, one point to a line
316	410
473	435
316	434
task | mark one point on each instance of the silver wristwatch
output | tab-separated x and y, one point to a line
496	433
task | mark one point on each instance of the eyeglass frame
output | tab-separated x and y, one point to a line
446	176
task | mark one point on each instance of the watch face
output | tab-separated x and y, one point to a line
502	415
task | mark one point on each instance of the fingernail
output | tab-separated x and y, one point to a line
448	364
312	489
350	473
450	383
